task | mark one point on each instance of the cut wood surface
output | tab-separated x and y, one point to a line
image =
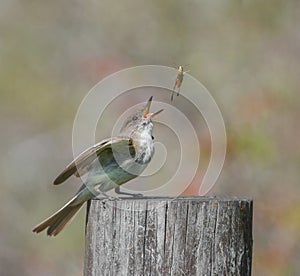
169	236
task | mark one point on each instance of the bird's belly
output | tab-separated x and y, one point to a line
104	179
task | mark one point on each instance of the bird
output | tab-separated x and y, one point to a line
107	165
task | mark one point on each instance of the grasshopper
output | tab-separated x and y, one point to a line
178	81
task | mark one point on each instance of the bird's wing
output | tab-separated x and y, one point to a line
81	165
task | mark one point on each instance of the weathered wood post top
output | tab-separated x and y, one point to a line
169	236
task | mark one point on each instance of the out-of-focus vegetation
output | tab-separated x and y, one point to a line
52	52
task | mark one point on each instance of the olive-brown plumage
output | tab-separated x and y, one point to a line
107	165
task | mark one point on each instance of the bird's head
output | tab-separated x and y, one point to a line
140	121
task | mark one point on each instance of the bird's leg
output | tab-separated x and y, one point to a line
178	91
172	95
118	191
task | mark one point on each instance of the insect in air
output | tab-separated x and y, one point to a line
178	81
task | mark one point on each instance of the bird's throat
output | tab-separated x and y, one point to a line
144	147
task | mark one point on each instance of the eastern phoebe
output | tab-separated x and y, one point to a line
108	164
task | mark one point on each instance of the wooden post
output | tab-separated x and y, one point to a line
169	236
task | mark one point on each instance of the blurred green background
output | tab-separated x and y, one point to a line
52	52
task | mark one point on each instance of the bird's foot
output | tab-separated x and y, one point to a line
107	198
137	195
119	192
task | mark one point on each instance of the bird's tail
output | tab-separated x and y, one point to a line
59	220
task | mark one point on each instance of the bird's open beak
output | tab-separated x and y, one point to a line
147	109
155	113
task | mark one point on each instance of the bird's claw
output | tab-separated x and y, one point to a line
110	199
137	195
107	198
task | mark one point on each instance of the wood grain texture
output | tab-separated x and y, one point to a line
169	236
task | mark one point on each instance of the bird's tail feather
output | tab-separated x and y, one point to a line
59	220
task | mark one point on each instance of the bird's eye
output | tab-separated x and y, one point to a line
144	123
152	137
